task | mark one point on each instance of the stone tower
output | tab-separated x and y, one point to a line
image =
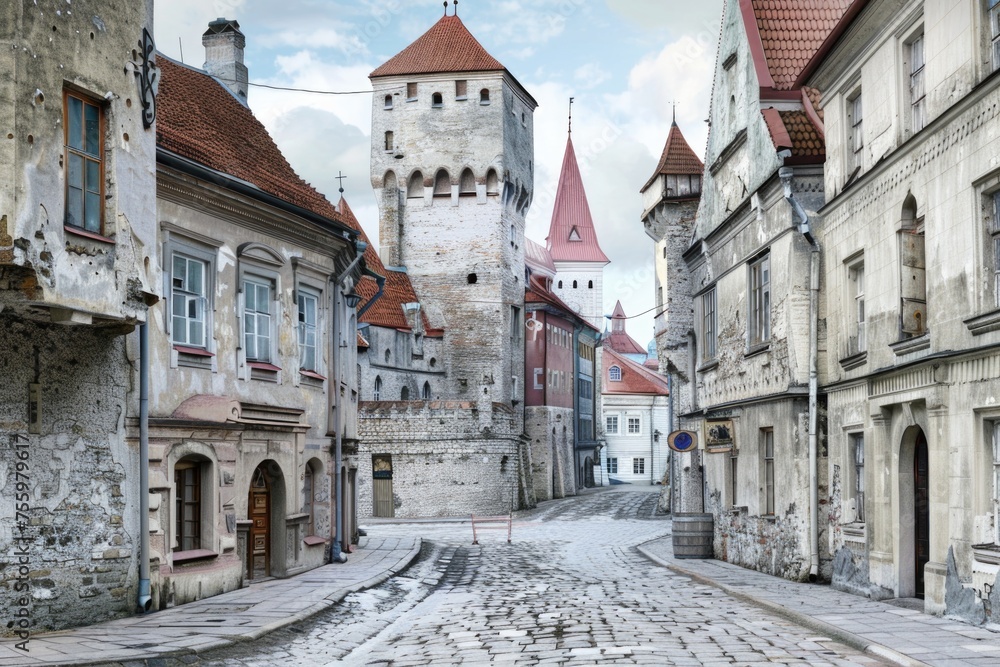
572	242
452	148
670	201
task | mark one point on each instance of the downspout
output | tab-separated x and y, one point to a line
380	281
337	554
670	427
145	600
576	410
786	174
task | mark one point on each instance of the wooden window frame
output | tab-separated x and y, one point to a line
188	532
303	297
759	303
82	153
767	453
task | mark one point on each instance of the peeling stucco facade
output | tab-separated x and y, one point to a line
69	299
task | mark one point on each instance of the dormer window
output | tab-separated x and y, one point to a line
388	102
615	374
437	101
484	96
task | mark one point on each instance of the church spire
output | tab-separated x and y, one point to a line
572	237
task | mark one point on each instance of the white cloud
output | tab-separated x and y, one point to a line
324	38
591	75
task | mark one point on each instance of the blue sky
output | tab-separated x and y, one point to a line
624	61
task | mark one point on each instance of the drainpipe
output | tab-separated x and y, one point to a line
145	601
380	281
670	427
786	174
337	554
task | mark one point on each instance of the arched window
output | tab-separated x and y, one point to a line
389	185
574	284
415	188
442	184
492	183
467	184
484	96
560	284
388	102
426	395
615	374
913	270
437	101
388	356
404	394
590	284
377	392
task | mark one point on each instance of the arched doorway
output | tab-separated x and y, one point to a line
921	513
259	513
914	513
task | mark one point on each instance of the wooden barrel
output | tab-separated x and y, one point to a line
692	536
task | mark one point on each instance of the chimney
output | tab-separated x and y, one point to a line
224	44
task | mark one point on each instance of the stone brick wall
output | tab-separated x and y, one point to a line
448	457
76	528
551	434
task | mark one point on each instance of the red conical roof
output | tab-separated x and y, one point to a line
572	237
447	47
677	158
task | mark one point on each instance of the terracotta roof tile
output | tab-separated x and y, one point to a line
572	237
636	378
806	140
447	47
199	119
677	158
792	31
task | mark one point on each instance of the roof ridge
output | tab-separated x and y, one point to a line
447	46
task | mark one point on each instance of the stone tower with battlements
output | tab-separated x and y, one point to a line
452	150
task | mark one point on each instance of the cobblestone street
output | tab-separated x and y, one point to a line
571	590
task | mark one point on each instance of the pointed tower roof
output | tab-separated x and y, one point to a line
572	237
677	158
619	340
447	47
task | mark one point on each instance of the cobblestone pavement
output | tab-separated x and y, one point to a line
570	590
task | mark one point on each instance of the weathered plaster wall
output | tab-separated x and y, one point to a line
48	48
448	458
68	505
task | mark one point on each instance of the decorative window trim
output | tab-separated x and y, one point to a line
615	373
192	247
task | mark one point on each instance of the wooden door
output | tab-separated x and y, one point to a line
382	504
259	510
921	512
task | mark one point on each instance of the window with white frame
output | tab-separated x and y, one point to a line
856	138
995	482
539	380
767	452
615	374
188	300
993	214
308	303
612	464
994	20
759	318
611	424
638	466
708	326
918	91
733	475
857	446
858	340
257	319
634	425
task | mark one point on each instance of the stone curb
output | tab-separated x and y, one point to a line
256	633
855	641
